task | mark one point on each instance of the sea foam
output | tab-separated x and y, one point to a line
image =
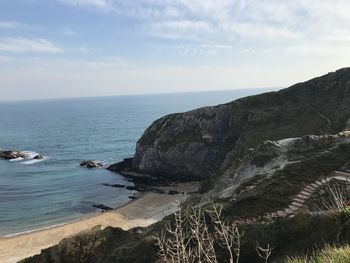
17	159
33	161
29	159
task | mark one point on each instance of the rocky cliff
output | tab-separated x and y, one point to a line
260	152
199	143
270	176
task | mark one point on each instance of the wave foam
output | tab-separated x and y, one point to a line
35	230
33	161
17	159
29	158
30	154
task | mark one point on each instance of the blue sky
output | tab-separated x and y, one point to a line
73	48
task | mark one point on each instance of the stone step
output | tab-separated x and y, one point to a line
298	204
310	191
310	188
295	206
340	178
289	211
306	192
304	197
299	200
319	183
281	213
342	173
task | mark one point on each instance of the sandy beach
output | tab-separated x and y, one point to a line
147	209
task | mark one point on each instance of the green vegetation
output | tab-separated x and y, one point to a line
329	254
290	238
108	245
285	183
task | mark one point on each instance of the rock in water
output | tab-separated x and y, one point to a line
8	155
91	164
102	207
124	165
38	157
196	144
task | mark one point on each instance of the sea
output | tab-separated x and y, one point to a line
36	194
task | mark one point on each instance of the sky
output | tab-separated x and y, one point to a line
79	48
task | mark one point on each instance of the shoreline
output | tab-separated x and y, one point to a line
67	222
149	208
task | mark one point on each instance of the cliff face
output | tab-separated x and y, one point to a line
276	171
198	143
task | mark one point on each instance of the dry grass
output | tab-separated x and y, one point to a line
195	237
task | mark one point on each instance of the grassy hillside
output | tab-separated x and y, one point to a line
291	239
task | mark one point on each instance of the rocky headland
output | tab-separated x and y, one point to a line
259	157
201	143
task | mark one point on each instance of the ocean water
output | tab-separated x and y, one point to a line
40	193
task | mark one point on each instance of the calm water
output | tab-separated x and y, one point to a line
38	194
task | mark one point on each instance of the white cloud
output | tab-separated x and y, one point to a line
306	50
194	49
110	64
179	29
184	25
97	80
260	31
40	62
337	36
277	42
91	3
21	45
203	20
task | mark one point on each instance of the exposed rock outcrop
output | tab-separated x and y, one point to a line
91	164
102	207
9	155
125	165
199	143
38	157
273	157
250	189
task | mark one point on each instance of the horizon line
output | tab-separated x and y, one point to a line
136	94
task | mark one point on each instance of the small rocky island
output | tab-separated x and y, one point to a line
91	164
9	155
